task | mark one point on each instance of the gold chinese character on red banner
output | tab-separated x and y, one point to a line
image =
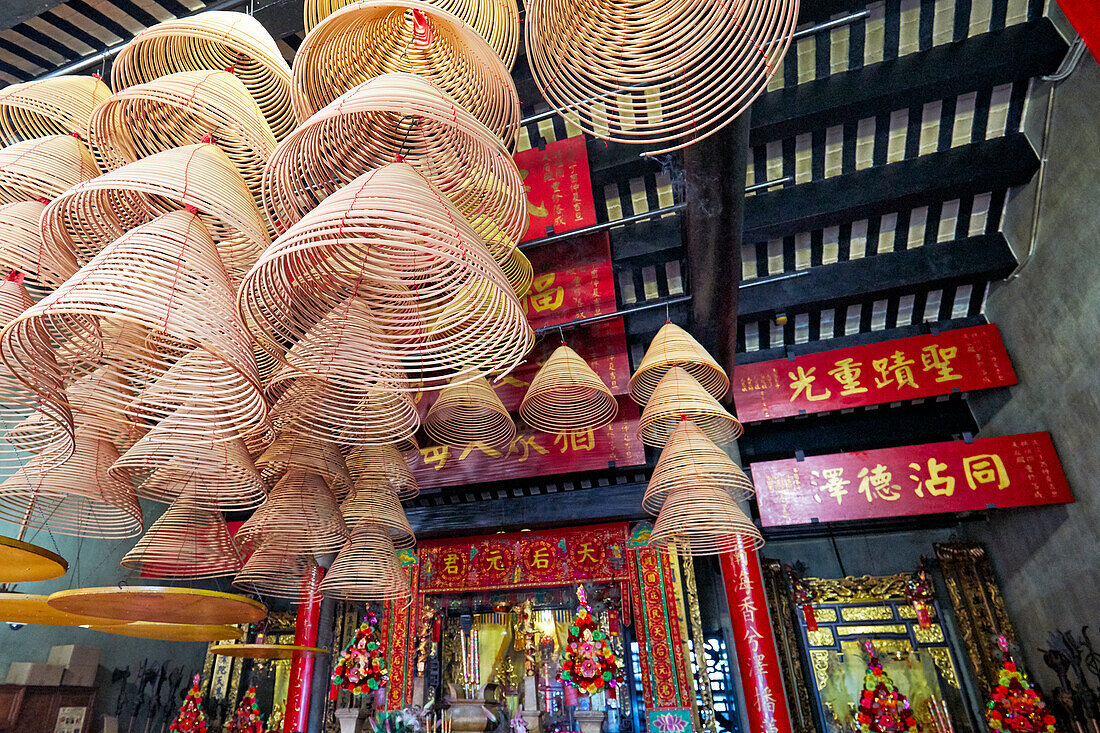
435	455
481	447
879	482
895	368
935	484
522	447
834	483
454	564
543	296
802	380
573	440
539	555
938	359
985	470
847	372
585	555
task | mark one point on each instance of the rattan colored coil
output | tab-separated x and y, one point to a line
369	38
299	453
382	464
277	568
667	72
673	346
703	521
367	569
185	542
497	21
519	271
44	168
99	211
378	505
679	396
302	507
400	116
467	413
691	459
164	279
60	105
21	248
566	395
83	393
213	41
391	286
183	109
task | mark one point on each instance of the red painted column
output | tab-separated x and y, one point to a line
301	669
754	643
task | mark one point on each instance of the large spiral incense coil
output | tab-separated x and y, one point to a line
411	299
57	106
99	211
467	413
371	465
378	505
185	542
519	271
691	459
497	21
184	109
666	72
673	346
679	396
21	248
400	116
43	168
301	507
367	569
294	453
703	520
164	280
369	38
213	41
566	395
277	568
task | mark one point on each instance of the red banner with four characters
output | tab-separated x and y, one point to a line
559	189
889	371
988	473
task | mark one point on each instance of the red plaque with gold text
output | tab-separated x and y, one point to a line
989	473
559	189
890	371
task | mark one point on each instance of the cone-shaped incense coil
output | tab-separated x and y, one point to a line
21	248
213	41
183	109
400	116
164	280
367	569
198	176
57	106
671	73
567	395
185	542
298	453
76	498
469	412
44	168
497	21
517	268
703	521
371	465
673	346
301	507
413	298
373	37
378	505
277	568
677	396
691	459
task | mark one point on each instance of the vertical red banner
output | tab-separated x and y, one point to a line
559	188
301	670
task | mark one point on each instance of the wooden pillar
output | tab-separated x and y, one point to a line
301	670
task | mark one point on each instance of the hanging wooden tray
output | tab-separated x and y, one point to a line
171	632
27	608
160	604
22	562
267	651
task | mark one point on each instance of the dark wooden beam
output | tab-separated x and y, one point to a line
14	12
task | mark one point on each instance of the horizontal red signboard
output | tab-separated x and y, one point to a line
573	280
989	473
559	189
890	371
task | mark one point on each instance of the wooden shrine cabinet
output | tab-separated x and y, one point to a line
35	708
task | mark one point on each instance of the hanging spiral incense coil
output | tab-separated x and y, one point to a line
703	521
382	464
517	268
301	507
295	453
277	568
412	299
373	37
367	569
184	109
164	280
673	346
668	72
679	396
467	413
378	505
691	459
57	106
21	248
496	21
401	116
44	168
213	41
185	542
566	395
99	211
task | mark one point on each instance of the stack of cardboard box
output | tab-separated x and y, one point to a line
71	664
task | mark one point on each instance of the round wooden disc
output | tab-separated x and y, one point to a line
172	632
267	651
22	562
27	608
162	604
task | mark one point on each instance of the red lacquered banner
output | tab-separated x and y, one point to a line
573	280
989	473
890	371
559	189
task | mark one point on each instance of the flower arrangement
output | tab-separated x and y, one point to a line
587	662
